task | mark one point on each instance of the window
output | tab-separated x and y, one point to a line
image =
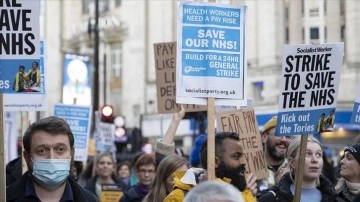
303	33
117	3
86	6
287	39
314	12
342	35
103	5
314	33
302	7
342	8
258	88
325	33
116	61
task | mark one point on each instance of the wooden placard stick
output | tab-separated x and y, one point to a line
211	139
300	169
2	153
211	136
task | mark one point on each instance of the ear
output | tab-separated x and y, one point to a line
217	162
263	137
291	162
72	153
27	157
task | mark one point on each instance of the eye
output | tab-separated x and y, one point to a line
41	151
237	156
318	155
61	149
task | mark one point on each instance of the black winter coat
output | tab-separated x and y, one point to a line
283	192
16	191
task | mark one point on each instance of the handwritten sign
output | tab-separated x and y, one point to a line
244	123
165	64
309	88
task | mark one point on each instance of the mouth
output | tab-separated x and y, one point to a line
281	147
314	169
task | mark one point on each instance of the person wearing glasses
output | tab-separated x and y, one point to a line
275	148
145	168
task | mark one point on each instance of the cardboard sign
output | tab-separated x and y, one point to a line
309	87
165	64
243	122
110	193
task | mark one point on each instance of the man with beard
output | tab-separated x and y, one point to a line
275	148
230	163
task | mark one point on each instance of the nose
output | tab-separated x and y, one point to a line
242	159
314	158
51	154
342	161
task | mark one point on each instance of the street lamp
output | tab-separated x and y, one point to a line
96	58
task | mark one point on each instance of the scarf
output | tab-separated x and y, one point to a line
141	189
354	188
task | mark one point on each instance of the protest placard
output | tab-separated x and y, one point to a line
79	119
243	122
21	69
165	65
210	54
110	193
104	137
309	88
355	116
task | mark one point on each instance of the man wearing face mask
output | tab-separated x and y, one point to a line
48	152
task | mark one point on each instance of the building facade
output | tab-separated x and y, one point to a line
128	29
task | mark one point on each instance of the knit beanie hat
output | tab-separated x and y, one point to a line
195	153
270	124
354	150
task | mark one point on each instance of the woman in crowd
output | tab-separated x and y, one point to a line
124	171
348	185
163	183
315	187
145	169
105	168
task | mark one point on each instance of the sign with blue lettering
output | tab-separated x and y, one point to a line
309	88
211	54
79	119
104	137
355	117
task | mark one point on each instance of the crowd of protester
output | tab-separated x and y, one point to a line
166	175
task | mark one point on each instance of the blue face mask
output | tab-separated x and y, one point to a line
51	173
